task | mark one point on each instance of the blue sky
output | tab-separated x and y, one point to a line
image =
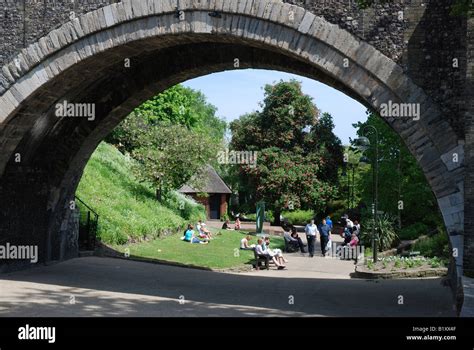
237	92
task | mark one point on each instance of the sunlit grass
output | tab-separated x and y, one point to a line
126	207
222	252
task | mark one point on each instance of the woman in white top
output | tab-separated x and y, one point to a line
244	243
203	231
275	252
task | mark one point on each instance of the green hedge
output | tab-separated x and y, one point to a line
298	217
268	216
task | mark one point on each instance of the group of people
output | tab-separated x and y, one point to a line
324	231
263	248
203	236
226	225
351	232
290	234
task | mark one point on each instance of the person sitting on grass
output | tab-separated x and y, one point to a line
244	243
190	237
275	252
265	252
226	226
237	224
203	231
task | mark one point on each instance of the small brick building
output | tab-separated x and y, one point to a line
217	194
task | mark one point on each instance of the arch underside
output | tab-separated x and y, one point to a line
54	151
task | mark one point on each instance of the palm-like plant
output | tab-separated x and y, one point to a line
386	232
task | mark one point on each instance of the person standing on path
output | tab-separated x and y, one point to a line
329	221
324	235
311	231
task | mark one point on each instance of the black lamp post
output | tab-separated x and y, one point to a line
345	173
352	195
363	143
350	183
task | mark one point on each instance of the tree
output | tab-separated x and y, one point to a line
403	189
289	180
329	145
171	155
297	151
176	105
173	136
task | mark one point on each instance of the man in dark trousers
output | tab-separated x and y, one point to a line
324	235
311	231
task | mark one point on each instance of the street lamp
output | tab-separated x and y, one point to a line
344	174
363	143
352	194
346	171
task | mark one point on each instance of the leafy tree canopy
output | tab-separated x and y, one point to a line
400	178
171	155
298	153
173	136
177	105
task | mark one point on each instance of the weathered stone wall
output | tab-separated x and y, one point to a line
420	35
435	56
22	22
469	178
25	21
381	25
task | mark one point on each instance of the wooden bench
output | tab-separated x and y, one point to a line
259	259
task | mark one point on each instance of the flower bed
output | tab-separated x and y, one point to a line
401	267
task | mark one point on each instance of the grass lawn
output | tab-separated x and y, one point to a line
223	251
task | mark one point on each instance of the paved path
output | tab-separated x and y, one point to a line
248	226
96	286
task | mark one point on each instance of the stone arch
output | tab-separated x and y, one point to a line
83	61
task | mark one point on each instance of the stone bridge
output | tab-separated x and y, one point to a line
117	54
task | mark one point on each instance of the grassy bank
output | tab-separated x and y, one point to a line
128	209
